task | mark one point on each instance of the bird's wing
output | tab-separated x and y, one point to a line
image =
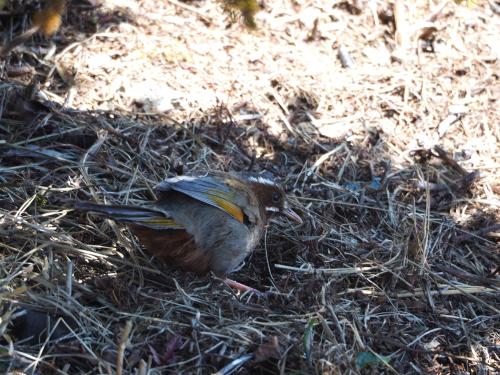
159	233
146	217
208	190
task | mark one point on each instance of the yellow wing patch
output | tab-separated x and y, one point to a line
228	206
164	221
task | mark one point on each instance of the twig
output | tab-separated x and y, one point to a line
69	279
478	233
444	156
401	22
345	58
326	271
447	122
234	365
419	292
18	40
122	345
323	158
314	31
200	14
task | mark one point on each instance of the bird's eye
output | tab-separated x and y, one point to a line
276	197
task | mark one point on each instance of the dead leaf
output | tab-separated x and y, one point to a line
268	350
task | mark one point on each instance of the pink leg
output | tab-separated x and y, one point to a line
241	287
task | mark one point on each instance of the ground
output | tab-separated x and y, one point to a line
391	161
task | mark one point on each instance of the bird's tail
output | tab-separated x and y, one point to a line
147	217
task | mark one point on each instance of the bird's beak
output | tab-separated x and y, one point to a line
288	212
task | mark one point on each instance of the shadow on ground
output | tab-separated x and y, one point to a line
381	264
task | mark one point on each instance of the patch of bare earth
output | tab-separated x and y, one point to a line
392	163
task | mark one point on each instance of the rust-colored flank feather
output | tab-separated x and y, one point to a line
175	246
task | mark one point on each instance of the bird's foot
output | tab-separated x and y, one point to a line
241	287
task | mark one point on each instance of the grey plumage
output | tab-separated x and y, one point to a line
215	231
201	224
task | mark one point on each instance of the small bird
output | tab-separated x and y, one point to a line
203	223
47	21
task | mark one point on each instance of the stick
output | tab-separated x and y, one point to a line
122	346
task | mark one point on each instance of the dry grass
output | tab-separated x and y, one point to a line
398	255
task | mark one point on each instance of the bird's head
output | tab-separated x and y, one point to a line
272	198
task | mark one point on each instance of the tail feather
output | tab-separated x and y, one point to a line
132	215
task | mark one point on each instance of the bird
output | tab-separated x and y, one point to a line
47	21
203	223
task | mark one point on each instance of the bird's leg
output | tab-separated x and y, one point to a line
241	287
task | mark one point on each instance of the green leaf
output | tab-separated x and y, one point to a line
41	200
309	338
365	359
